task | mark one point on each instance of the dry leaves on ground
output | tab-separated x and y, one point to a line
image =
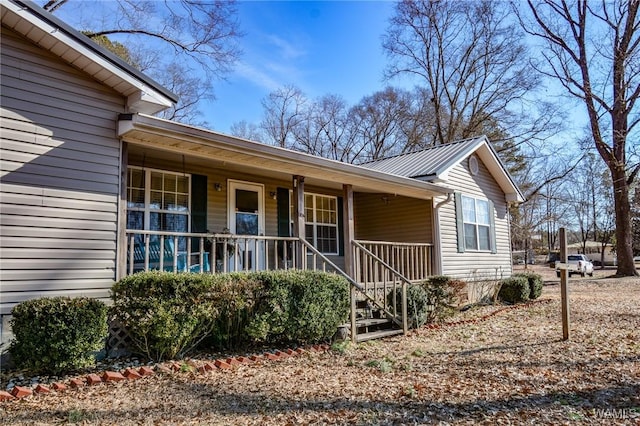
510	369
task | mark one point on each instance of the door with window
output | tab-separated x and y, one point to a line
246	218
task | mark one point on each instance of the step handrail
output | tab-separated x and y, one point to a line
405	282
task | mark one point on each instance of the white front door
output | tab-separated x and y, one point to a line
246	217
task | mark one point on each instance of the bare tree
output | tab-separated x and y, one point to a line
472	59
284	110
325	131
245	130
378	122
168	40
592	50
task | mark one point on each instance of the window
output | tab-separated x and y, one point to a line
475	224
321	222
477	227
157	200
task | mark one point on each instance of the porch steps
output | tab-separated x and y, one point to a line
377	334
370	324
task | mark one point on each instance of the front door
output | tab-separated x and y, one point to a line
246	217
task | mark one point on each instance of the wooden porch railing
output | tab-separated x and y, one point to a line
198	252
411	260
379	283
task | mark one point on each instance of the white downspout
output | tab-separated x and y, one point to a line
438	241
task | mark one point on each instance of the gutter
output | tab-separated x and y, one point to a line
438	240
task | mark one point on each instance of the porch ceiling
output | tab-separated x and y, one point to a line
225	152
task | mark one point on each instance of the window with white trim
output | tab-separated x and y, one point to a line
477	224
321	222
158	200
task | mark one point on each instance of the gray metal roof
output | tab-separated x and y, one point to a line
429	162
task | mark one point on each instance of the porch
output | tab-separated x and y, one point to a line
204	202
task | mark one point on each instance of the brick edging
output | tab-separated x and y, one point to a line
169	367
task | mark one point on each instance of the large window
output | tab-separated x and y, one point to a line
157	200
321	220
477	224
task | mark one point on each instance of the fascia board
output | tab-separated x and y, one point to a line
154	125
146	99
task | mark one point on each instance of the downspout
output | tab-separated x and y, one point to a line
438	241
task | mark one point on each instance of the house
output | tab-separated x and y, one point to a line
93	187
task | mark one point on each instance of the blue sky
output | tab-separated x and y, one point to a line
327	47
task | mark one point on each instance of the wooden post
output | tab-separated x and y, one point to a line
564	285
121	235
349	236
298	220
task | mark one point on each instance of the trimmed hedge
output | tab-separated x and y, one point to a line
58	334
515	289
166	314
169	314
535	283
299	306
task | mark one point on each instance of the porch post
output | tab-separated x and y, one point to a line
298	219
349	229
349	235
121	220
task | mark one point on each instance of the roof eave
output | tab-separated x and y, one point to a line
308	165
143	95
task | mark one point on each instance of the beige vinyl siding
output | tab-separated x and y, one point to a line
472	265
382	217
59	165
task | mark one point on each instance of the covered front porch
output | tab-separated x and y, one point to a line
198	201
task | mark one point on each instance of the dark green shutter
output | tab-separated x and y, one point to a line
459	222
198	207
284	221
340	227
492	231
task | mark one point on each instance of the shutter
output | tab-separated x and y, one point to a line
198	207
284	221
459	222
339	206
492	231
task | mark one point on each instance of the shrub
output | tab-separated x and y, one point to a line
299	306
535	283
58	334
443	295
166	314
417	304
514	289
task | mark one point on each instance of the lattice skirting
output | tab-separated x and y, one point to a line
118	340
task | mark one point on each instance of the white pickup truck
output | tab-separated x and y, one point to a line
577	264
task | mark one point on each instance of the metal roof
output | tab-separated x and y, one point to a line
428	162
434	164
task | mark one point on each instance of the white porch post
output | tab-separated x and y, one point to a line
121	220
298	219
349	235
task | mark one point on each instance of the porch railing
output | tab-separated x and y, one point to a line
380	282
411	260
200	252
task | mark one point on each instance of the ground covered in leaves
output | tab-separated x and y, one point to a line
512	368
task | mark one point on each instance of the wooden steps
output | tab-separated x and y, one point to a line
378	334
